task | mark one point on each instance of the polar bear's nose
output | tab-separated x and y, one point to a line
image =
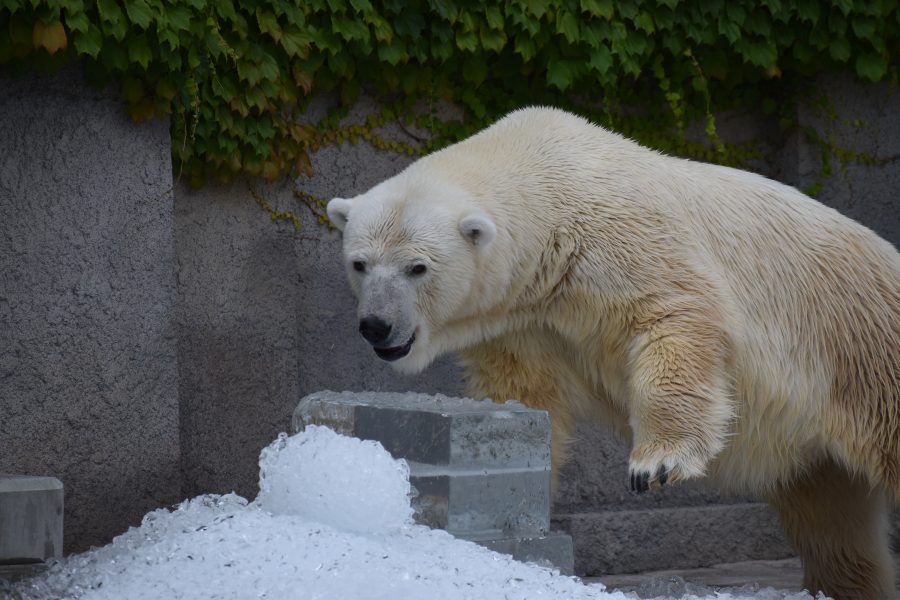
374	329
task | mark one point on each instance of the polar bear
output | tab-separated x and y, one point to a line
726	325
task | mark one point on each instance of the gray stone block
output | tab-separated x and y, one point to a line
436	430
480	470
31	519
481	504
553	549
642	540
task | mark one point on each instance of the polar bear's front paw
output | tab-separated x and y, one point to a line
650	469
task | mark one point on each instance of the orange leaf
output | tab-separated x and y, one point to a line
303	165
51	37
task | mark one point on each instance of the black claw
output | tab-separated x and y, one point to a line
640	482
662	475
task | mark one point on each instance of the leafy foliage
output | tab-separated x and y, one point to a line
234	75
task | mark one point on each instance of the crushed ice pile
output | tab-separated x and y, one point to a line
332	521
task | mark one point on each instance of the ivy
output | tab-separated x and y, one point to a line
234	76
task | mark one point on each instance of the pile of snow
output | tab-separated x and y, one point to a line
332	520
349	484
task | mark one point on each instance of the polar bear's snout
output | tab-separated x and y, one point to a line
374	329
377	332
387	313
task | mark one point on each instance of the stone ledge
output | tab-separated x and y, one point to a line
631	541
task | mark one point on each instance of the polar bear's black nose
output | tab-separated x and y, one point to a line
374	329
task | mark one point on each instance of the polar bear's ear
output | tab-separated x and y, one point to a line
478	228
338	210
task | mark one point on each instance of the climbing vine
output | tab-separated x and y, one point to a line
234	76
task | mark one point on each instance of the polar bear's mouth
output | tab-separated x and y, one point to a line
397	352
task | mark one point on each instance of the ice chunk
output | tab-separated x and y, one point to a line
331	522
349	484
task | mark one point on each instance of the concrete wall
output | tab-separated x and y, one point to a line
88	377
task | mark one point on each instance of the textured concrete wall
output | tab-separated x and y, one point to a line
87	292
864	122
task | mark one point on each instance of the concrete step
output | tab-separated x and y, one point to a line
783	574
626	541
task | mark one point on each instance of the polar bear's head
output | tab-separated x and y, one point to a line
412	249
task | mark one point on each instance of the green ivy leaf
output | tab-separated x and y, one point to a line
736	13
567	25
77	21
491	39
89	42
295	42
871	66
409	23
475	71
864	27
382	29
644	21
561	72
536	7
730	30
113	20
759	52
844	5
494	17
467	40
109	11
446	9
350	29
808	10
393	53
758	22
178	17
601	60
839	49
525	47
595	33
268	23
139	50
362	6
139	13
442	49
268	67
598	8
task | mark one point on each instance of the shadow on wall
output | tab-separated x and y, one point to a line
265	317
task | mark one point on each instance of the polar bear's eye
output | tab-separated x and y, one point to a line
418	270
359	266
